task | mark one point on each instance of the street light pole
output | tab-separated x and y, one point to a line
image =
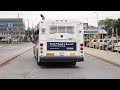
97	19
18	28
28	29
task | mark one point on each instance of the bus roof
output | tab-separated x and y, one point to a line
61	21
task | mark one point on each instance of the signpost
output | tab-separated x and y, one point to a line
91	31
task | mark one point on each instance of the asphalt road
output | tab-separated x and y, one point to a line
25	67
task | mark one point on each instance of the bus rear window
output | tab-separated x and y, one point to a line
53	29
61	29
70	29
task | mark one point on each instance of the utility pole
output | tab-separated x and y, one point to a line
117	38
97	19
28	28
112	38
18	28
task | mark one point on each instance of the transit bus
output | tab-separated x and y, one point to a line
58	41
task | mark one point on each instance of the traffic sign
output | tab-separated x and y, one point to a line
17	29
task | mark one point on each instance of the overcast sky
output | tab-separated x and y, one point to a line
84	16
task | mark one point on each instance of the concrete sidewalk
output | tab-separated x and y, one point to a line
108	56
14	54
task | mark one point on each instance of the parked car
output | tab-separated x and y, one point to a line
14	40
3	40
114	46
99	43
106	42
92	43
118	47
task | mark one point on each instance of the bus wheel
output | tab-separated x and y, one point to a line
119	51
39	62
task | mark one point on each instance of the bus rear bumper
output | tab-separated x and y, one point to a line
61	59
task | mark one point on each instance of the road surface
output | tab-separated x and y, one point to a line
25	67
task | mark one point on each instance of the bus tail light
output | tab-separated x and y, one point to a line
81	48
41	48
41	51
41	44
81	44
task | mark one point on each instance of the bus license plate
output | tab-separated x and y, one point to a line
72	54
49	54
61	53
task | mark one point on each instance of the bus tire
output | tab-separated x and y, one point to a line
37	58
119	51
38	63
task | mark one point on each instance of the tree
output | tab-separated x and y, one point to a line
28	34
101	24
118	25
108	24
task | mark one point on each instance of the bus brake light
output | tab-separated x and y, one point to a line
41	44
81	44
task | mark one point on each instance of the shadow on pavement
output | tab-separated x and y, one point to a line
58	65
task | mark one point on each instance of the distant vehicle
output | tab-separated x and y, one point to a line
15	40
106	43
3	40
118	47
28	40
114	45
99	43
91	44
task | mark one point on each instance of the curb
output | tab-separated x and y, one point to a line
4	60
106	60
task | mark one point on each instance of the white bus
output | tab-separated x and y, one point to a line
59	41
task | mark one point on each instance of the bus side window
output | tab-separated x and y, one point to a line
36	36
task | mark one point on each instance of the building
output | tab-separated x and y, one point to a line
12	27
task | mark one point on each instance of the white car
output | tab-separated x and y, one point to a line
114	45
117	47
15	40
3	40
99	43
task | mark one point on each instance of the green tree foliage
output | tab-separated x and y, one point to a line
109	24
118	25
